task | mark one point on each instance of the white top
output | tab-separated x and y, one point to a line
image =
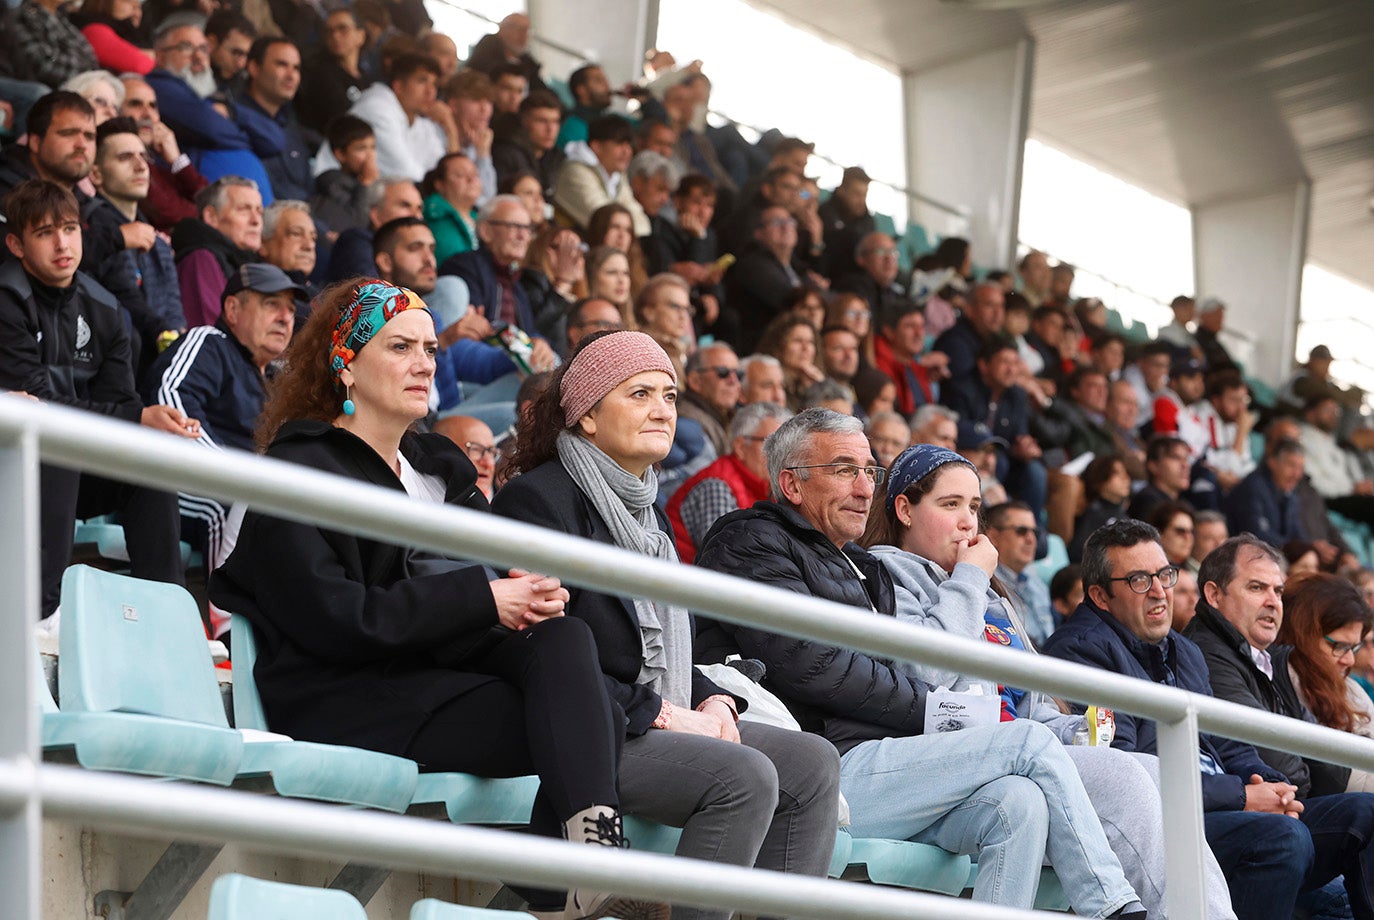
404	148
424	487
1332	469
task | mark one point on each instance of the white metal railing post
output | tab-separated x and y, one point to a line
1181	790
20	820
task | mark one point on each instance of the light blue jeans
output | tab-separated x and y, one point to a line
1007	794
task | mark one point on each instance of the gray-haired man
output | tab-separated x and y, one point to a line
999	802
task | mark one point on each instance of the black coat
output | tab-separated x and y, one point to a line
847	696
1236	677
548	496
354	647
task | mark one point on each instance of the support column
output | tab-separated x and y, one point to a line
1249	252
613	33
966	124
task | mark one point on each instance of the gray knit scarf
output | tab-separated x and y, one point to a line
626	503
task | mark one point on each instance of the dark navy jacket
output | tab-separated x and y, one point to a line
145	283
1094	637
1256	505
960	343
278	142
479	271
216	145
211	377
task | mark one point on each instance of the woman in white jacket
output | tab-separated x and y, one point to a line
924	530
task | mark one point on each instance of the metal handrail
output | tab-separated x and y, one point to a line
963	212
80	440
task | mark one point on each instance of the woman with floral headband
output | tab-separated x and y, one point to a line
382	647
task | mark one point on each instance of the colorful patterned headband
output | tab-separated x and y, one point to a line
363	317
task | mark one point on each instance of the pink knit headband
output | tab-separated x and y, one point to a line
604	365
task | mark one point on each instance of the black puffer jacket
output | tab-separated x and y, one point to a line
1237	678
846	696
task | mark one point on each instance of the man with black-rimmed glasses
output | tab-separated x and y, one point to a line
1270	843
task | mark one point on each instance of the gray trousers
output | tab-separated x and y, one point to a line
1124	790
771	801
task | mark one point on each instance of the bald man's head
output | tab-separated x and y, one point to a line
476	440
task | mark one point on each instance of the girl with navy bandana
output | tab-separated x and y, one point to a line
924	528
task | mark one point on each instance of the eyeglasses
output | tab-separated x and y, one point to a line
1341	649
478	451
722	373
1024	530
513	225
189	48
847	471
1139	582
858	314
885	251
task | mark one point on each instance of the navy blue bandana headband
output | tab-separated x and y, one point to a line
916	463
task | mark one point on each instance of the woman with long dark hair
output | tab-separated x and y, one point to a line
383	647
613	225
743	793
1327	622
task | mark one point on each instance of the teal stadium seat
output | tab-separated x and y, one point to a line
466	799
907	864
138	688
430	909
1056	557
238	897
108	536
915	242
138	647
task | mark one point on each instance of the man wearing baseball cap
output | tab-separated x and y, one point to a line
218	374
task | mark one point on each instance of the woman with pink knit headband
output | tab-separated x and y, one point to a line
383	647
742	792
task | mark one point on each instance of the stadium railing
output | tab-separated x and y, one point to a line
32	433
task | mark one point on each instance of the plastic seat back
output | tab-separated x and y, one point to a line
430	909
1056	557
238	897
130	645
248	711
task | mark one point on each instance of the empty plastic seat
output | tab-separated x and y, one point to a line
238	897
137	648
138	688
1056	557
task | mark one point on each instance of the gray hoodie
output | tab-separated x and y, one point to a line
955	603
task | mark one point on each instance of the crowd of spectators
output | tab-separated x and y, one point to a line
173	206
